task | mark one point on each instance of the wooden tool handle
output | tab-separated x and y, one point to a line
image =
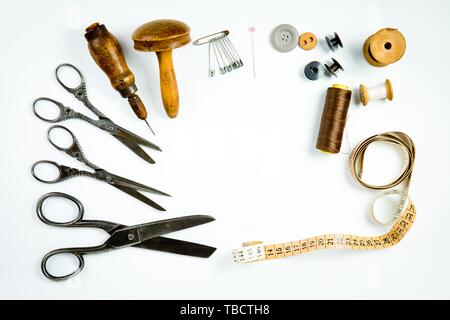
108	54
137	106
168	81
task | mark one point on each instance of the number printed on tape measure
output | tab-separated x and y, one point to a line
270	252
329	241
279	251
320	242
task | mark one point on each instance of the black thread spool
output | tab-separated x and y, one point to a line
334	67
334	43
314	70
334	118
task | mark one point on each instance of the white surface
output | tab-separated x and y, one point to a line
242	150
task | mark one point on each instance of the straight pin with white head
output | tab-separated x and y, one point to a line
252	44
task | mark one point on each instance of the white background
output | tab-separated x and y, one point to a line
241	149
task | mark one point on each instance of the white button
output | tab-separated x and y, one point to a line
284	37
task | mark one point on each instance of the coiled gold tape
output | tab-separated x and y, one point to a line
401	222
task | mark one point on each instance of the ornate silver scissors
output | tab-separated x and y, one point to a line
146	236
74	150
129	139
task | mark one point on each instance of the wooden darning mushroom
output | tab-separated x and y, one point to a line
161	36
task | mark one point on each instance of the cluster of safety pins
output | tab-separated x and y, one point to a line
220	51
160	36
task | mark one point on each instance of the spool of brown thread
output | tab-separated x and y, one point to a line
334	117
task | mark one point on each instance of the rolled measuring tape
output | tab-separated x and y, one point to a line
401	221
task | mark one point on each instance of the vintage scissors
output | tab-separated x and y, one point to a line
129	139
146	236
74	150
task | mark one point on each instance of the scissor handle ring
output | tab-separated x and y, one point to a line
71	90
61	251
58	104
65	129
48	162
44	219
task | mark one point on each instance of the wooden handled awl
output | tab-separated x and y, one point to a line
108	54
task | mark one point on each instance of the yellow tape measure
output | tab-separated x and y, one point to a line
401	222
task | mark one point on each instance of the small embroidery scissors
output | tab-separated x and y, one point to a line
129	139
74	150
146	236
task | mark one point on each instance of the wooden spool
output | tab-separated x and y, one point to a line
384	47
365	96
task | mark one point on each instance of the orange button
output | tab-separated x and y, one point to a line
307	41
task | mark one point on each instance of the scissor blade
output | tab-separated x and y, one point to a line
158	228
124	133
124	182
177	246
132	192
136	149
131	236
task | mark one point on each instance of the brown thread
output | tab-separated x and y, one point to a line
333	121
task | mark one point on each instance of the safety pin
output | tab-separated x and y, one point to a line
211	71
211	37
226	54
233	49
218	54
237	62
229	55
